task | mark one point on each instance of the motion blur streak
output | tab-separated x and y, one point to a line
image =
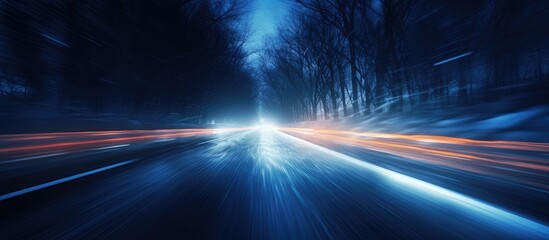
522	162
31	146
442	194
253	183
527	146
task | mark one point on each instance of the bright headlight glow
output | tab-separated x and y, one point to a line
265	125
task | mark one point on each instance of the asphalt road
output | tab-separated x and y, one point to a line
241	184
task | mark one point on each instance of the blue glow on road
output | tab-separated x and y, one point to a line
481	211
260	183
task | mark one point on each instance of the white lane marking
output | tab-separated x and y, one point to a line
62	180
33	157
111	147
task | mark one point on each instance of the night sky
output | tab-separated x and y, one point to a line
266	15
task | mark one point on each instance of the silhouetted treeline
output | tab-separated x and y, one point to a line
345	57
146	58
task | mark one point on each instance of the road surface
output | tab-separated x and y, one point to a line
234	184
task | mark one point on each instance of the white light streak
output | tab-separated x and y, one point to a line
453	58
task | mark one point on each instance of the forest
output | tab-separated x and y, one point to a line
152	60
186	60
339	58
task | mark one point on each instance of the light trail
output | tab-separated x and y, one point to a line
289	183
413	184
34	157
516	145
520	161
453	58
33	146
113	147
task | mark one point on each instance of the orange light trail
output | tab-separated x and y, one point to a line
18	145
516	145
508	159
